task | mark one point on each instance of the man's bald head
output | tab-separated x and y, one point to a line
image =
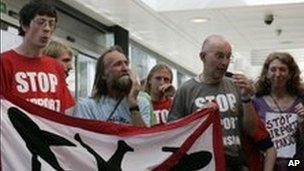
215	54
215	41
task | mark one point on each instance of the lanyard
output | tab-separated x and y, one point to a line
276	103
111	114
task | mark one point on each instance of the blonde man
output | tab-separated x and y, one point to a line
159	87
62	53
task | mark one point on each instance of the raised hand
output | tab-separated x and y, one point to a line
300	111
245	85
167	90
132	97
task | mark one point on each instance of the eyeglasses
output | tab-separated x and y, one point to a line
41	22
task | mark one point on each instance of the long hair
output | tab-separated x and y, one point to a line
156	68
33	8
293	85
100	85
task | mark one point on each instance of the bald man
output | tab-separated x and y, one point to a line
232	96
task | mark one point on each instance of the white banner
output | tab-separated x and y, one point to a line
35	138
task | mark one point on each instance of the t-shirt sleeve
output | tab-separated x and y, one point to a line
258	105
148	97
145	110
5	75
178	107
69	101
66	96
255	103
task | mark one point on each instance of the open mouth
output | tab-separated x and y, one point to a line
44	39
124	74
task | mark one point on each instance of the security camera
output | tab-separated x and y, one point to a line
268	19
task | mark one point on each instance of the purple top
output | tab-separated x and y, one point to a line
280	125
263	107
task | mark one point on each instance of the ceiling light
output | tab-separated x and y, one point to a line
199	20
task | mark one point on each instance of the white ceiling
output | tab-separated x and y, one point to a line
165	27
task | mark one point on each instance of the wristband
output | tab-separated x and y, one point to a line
134	108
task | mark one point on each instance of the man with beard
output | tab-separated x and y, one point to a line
232	97
25	71
115	93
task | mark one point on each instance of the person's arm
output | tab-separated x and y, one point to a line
300	129
265	145
250	119
300	111
133	102
270	158
136	117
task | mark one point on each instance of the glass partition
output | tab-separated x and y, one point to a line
85	75
10	38
141	62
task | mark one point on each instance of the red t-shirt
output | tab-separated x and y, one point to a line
161	110
38	80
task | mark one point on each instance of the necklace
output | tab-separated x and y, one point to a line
276	103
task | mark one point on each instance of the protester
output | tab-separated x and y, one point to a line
115	93
279	103
25	71
62	53
159	86
232	97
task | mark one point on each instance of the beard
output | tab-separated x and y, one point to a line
121	85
